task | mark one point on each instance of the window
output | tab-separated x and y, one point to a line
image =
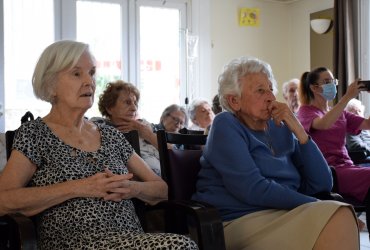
22	47
139	41
161	54
105	43
364	54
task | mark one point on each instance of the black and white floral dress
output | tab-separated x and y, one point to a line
86	223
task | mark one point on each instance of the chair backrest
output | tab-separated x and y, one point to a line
10	134
335	179
17	232
9	138
133	138
28	116
179	167
192	132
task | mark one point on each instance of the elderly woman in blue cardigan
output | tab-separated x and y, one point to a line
260	170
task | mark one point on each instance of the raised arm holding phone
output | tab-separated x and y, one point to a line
328	126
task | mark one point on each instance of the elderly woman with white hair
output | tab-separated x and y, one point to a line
201	114
360	141
261	171
75	175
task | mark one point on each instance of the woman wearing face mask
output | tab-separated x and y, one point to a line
328	127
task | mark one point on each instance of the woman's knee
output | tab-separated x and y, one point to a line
345	216
341	231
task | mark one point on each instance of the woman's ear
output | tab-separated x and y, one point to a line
53	93
109	111
315	88
234	102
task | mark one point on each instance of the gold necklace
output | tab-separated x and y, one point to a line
268	141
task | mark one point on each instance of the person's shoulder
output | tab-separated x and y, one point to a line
224	117
145	122
195	127
100	121
351	115
306	108
109	131
33	131
34	125
157	127
97	119
308	111
226	121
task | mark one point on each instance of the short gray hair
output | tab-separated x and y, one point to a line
55	58
354	103
193	107
229	79
286	85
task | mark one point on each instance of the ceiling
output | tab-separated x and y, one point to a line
281	1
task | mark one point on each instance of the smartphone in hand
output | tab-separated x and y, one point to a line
366	83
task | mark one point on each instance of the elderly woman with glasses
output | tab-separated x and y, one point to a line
328	127
173	119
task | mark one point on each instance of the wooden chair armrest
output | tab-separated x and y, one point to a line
203	221
329	196
17	231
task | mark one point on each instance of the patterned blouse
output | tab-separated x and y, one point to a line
86	223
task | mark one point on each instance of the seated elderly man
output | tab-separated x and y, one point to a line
290	94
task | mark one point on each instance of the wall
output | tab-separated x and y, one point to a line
282	39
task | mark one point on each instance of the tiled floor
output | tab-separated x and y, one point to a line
364	237
364	241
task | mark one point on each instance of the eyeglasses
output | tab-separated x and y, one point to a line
176	120
335	81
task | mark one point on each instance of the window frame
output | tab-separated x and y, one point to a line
197	19
364	50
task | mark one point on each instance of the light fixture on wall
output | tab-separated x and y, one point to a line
320	25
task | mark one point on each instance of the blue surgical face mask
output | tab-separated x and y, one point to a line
329	91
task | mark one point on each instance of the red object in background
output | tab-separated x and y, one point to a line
158	65
106	64
151	65
118	64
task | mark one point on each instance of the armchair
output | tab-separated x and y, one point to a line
19	232
359	157
179	169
